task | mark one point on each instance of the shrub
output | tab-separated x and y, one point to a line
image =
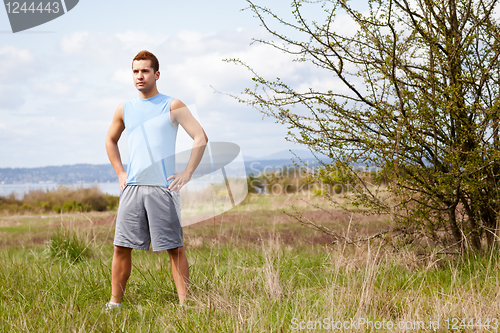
112	202
67	246
56	208
64	198
288	179
69	206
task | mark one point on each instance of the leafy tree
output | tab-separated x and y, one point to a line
417	97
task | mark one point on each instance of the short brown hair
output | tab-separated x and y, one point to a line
146	55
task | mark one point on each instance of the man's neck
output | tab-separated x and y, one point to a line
148	94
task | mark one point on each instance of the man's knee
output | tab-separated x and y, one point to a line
179	251
122	251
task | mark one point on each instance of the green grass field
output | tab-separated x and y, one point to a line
252	269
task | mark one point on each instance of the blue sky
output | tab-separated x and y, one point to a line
62	81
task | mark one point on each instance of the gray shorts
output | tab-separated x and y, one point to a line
148	214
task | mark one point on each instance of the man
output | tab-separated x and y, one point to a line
149	210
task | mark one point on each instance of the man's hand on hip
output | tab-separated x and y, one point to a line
180	179
122	179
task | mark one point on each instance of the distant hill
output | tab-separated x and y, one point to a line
70	174
284	155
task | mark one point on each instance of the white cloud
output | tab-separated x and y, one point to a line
11	98
191	36
75	42
96	49
122	76
16	64
12	53
137	39
56	86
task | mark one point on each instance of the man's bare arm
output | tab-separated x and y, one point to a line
180	114
114	133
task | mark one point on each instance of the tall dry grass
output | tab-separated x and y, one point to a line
246	284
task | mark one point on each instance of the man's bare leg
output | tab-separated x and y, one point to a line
180	272
120	272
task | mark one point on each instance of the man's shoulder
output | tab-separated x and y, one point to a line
176	104
120	107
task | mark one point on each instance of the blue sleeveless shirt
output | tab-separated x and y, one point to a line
151	140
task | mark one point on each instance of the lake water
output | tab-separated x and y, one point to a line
111	188
20	189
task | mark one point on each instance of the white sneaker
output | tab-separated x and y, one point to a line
112	306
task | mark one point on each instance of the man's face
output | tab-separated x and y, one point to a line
144	76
